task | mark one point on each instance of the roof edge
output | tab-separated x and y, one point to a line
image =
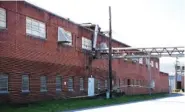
72	22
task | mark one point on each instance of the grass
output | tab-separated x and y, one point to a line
61	105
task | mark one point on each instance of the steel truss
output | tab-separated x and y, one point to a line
130	52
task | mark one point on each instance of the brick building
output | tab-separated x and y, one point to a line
35	66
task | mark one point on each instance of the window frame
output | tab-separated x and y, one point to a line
38	28
7	83
45	84
23	84
5	18
60	83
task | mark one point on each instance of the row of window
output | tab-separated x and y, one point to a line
151	63
132	82
38	29
98	84
43	83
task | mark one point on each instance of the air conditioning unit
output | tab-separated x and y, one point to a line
63	36
135	59
104	46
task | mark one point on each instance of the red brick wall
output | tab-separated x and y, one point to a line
20	53
164	82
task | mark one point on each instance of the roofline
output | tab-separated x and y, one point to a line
72	22
164	73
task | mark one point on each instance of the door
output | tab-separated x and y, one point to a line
90	86
179	85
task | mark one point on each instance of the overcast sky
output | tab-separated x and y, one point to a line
139	23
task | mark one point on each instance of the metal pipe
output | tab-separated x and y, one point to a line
150	74
95	36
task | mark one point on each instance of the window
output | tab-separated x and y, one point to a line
35	28
139	82
43	84
3	83
156	64
128	81
2	18
147	61
58	83
152	63
123	83
142	83
70	84
105	83
98	84
81	84
140	60
135	82
25	83
132	82
86	43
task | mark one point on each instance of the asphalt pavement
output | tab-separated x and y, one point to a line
173	103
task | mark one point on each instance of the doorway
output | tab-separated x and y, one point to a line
179	85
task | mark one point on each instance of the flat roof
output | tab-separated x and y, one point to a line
72	22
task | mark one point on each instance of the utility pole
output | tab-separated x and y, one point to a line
176	73
110	55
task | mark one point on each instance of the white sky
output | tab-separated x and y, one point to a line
139	23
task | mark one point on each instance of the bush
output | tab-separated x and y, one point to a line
177	90
118	93
183	90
